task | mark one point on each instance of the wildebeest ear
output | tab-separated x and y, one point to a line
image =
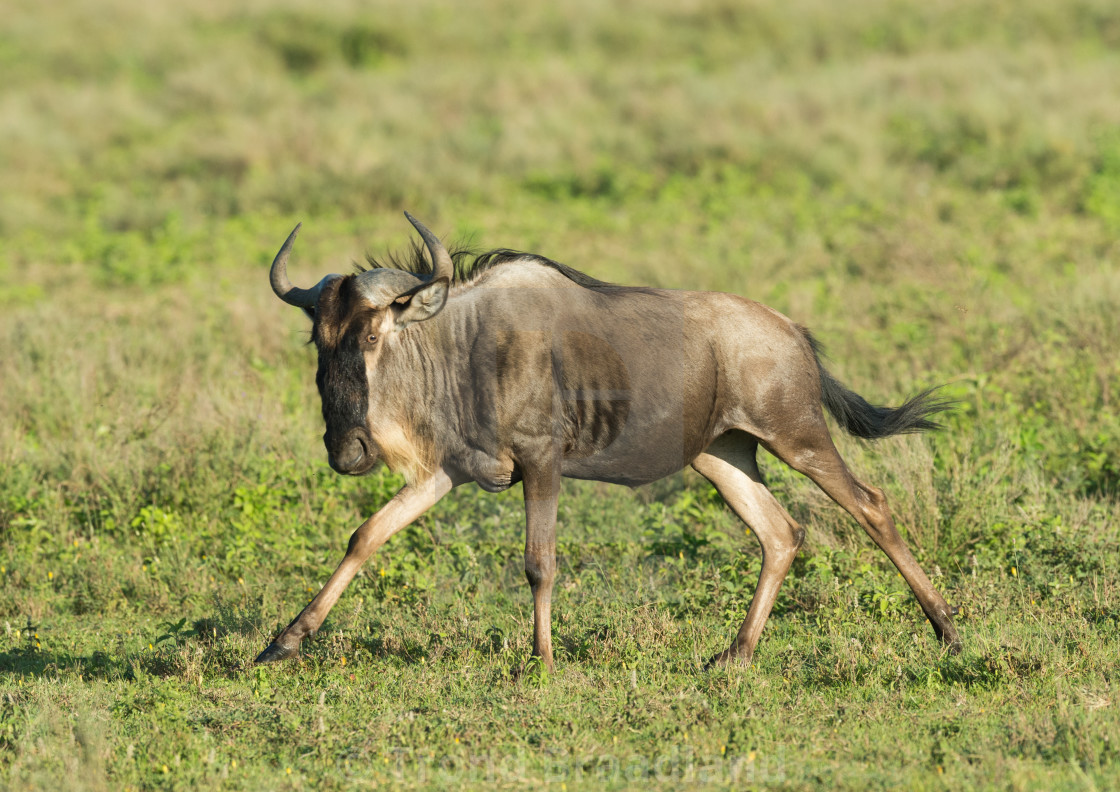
420	302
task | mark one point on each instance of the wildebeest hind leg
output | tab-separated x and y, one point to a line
816	456
729	463
405	506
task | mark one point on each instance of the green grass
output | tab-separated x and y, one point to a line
933	188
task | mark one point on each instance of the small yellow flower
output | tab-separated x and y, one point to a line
289	771
165	769
50	576
1014	572
344	663
75	545
382	574
233	763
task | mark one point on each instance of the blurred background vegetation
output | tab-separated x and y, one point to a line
933	187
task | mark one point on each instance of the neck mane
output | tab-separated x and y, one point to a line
470	266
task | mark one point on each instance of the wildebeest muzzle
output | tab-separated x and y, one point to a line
352	454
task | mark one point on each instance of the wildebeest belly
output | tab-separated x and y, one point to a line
626	393
628	419
640	455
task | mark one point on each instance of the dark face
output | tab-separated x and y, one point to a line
346	335
352	315
354	318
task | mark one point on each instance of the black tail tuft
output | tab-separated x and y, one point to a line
860	418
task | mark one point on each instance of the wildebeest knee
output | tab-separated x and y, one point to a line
359	544
872	500
540	569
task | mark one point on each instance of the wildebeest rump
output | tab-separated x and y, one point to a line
514	367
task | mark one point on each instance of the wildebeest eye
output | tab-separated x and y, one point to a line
371	338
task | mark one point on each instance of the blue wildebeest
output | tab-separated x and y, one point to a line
515	367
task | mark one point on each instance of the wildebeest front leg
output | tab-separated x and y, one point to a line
408	504
542	492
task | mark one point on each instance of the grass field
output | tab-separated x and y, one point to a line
934	188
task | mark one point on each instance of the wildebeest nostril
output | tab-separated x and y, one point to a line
352	452
363	444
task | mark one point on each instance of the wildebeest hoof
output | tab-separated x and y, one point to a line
276	652
724	659
950	638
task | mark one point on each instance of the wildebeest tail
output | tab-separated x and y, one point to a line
860	418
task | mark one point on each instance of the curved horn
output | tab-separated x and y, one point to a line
442	265
278	277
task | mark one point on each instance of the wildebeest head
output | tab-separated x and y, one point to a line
353	317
